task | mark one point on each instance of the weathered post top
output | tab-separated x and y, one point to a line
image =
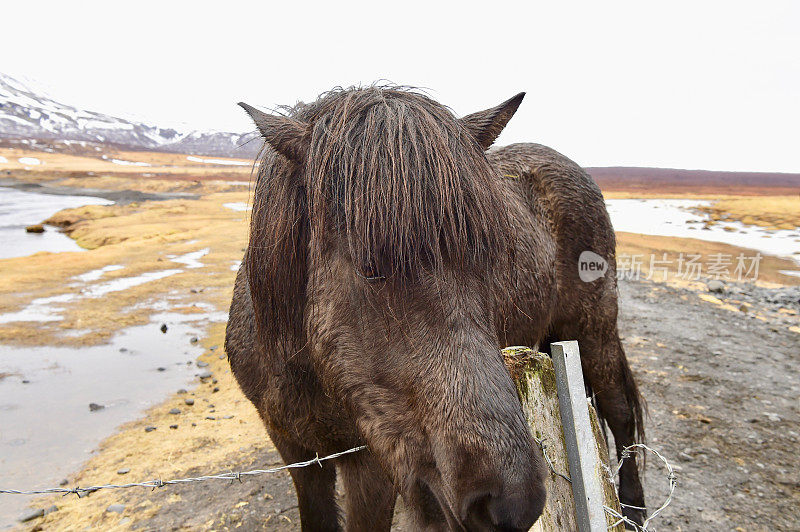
538	386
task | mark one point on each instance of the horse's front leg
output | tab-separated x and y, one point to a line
315	487
369	494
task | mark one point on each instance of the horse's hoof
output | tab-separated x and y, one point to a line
635	515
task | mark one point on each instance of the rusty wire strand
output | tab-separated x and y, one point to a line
237	475
158	483
542	443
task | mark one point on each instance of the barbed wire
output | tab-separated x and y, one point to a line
542	443
158	483
627	452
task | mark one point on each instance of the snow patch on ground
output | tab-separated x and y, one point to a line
217	161
3	159
124	283
191	260
40	309
96	274
29	160
237	206
129	163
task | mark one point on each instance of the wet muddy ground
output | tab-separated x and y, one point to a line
58	403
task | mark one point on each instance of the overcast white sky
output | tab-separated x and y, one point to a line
712	85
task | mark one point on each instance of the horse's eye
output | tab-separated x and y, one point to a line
369	274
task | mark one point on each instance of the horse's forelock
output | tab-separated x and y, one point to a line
404	182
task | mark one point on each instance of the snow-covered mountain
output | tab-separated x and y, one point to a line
27	115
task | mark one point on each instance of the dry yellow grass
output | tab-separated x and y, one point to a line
173	163
645	246
140	238
774	212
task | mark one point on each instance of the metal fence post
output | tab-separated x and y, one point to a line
578	436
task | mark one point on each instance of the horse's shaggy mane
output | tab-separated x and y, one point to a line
393	173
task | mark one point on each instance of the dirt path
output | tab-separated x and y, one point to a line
722	388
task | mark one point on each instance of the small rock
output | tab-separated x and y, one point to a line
94	407
63	482
182	391
123	471
212	418
123	349
193	290
173	427
36	228
174	411
31	515
189	401
25	381
202	364
213	347
194	424
164	328
149	429
213	381
116	508
222	357
205	375
215	390
773	417
50	509
715	285
161	369
193	340
227	417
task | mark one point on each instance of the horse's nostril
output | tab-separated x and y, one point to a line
515	511
475	508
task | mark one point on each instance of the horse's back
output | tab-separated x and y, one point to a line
556	188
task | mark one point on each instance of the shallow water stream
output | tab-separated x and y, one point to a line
675	218
46	427
19	209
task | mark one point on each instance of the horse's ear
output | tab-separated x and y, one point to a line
289	137
486	125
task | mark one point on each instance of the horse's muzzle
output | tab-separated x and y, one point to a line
516	508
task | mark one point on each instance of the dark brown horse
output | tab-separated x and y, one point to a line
390	257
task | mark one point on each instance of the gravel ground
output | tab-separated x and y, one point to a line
722	389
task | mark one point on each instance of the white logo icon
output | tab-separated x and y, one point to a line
591	266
